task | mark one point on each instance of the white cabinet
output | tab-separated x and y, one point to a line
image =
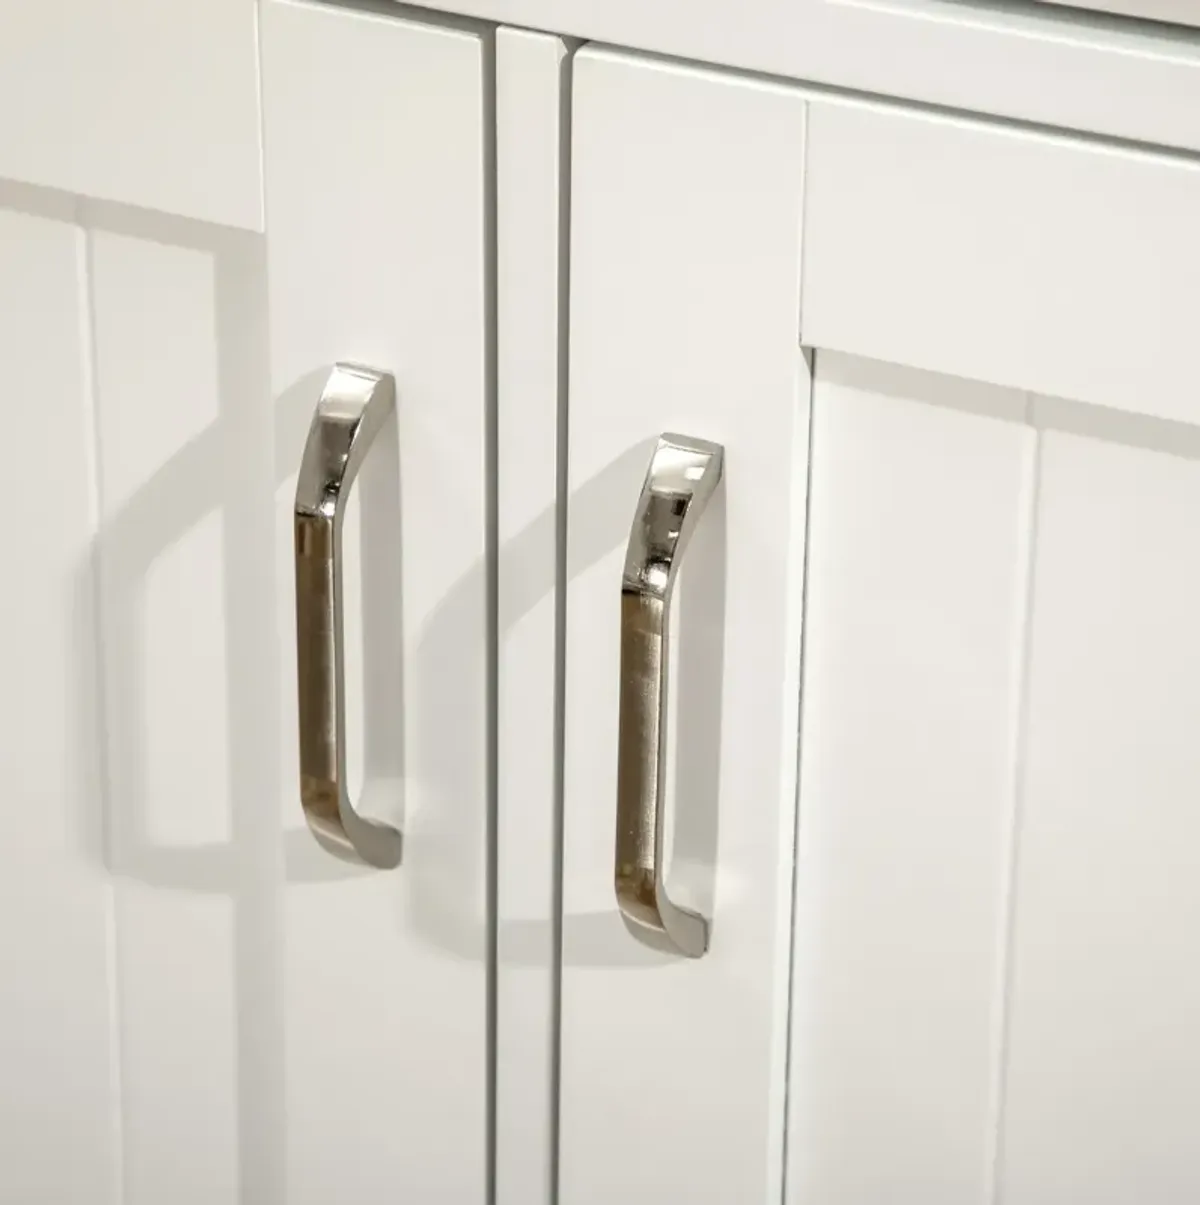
200	1005
931	677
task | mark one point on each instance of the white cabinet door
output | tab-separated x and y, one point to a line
684	311
995	995
199	1004
982	987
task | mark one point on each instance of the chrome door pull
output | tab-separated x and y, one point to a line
682	476
352	408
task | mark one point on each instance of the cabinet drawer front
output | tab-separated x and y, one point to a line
684	292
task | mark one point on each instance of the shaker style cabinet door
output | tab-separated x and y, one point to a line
996	995
961	599
201	1004
688	412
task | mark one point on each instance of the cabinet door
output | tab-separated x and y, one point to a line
200	1005
978	978
685	288
994	993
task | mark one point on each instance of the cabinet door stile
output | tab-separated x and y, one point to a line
685	274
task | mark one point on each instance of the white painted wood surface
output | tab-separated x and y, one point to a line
182	619
376	253
1103	1088
56	1009
995	904
1182	12
532	89
150	104
992	996
1023	259
143	1070
203	1007
1052	66
685	273
921	497
993	993
992	988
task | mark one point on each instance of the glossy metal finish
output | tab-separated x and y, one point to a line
682	477
352	408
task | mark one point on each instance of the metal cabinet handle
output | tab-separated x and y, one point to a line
682	476
350	412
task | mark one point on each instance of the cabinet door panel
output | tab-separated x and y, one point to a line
57	1035
180	460
994	884
919	513
1103	1089
685	273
